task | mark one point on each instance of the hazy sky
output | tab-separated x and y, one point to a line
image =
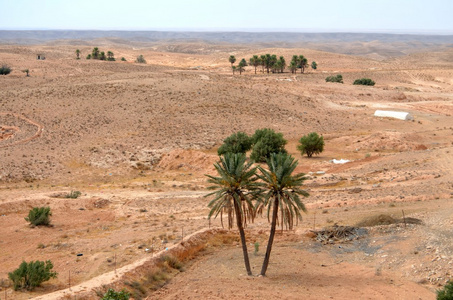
283	15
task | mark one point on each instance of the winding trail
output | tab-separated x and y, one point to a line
36	135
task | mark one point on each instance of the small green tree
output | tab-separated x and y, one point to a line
314	65
282	64
238	142
102	56
311	144
338	78
364	81
110	56
255	61
232	59
241	66
140	59
114	295
32	274
39	216
303	63
266	141
89	56
446	293
77	52
5	70
123	59
95	53
27	71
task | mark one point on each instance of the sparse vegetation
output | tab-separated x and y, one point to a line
446	293
73	194
311	144
111	294
77	52
27	71
238	142
89	56
39	216
266	141
338	78
140	59
364	81
5	70
123	59
32	274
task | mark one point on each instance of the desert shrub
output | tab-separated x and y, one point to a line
140	59
73	194
446	293
39	216
238	142
314	65
311	144
114	295
5	70
32	274
89	56
123	59
364	81
173	262
337	78
266	141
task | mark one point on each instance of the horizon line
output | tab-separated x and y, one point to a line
251	30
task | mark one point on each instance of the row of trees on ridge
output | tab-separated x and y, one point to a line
272	63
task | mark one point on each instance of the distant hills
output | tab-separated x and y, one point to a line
377	44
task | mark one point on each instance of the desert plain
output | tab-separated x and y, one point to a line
138	139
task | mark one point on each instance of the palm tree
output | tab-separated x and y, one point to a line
95	53
241	65
282	191
232	59
255	61
235	188
282	63
77	52
293	66
303	62
110	56
263	61
294	62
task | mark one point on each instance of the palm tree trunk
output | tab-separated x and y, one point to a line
243	242
271	238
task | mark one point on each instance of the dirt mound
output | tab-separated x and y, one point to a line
383	141
187	160
386	220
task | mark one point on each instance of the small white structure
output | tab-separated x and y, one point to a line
401	115
340	161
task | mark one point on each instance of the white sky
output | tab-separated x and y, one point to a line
432	16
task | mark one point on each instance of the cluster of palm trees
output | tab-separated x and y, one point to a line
270	63
241	191
97	54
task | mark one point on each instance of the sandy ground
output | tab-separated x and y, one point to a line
136	140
